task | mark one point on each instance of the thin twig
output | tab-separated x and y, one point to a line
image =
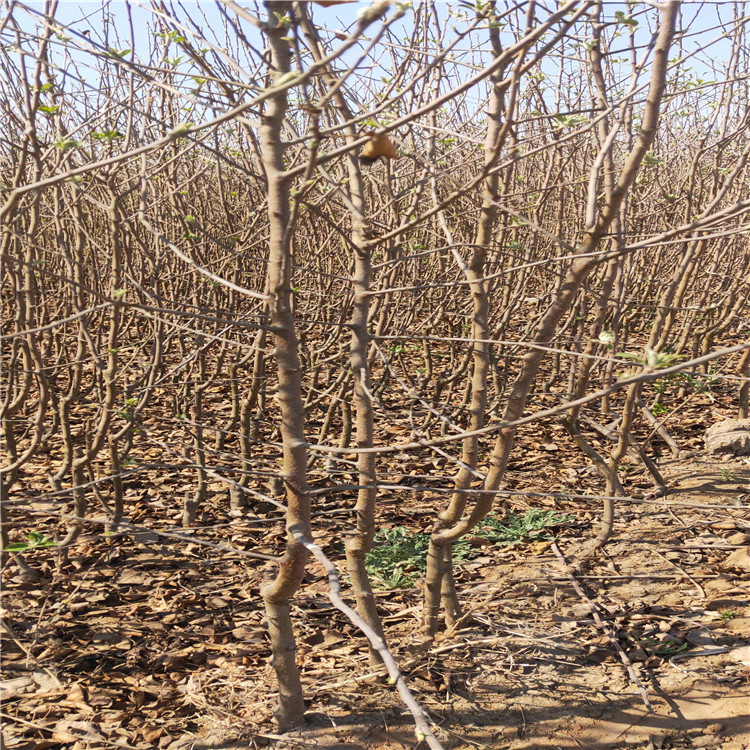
420	719
609	632
685	574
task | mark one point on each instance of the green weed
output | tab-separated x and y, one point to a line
34	540
669	649
400	556
529	527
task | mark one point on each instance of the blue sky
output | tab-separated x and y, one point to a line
701	23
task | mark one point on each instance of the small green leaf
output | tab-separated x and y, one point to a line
35	540
626	20
568	121
65	144
107	135
172	36
632	357
182	129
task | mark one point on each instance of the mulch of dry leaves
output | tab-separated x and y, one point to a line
146	641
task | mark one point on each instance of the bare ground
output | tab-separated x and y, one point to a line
142	642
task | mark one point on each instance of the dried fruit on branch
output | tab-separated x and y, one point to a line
378	145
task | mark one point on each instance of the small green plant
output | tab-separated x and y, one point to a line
623	18
651	359
172	36
568	121
726	475
127	412
529	527
669	649
66	144
400	556
34	540
727	614
701	385
49	109
107	135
